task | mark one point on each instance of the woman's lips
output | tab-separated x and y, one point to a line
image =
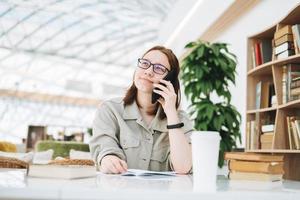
146	80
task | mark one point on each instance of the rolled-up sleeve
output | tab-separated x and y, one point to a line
105	129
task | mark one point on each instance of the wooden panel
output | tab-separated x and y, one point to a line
280	141
277	74
291	166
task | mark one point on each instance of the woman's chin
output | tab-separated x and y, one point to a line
145	89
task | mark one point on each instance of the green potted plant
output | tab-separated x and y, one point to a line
208	70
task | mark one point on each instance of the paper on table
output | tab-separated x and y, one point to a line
139	172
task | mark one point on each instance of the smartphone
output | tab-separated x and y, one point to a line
156	96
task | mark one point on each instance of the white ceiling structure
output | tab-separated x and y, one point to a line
69	49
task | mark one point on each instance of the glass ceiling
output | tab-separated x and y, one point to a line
75	48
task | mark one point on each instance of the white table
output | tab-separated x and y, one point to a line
14	185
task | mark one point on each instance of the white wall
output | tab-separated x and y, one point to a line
264	15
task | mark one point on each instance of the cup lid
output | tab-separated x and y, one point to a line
206	134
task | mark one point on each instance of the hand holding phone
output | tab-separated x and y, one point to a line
156	96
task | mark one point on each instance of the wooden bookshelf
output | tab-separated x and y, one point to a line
265	78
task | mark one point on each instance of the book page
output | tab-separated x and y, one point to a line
139	172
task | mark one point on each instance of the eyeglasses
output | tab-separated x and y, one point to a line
157	68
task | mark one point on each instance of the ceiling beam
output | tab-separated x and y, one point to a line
49	98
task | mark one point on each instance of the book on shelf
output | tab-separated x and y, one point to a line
248	134
261	51
290	137
253	157
290	72
295	82
274	101
267	91
295	91
62	171
283	39
284	83
295	131
258	55
139	172
267	137
253	135
285	54
296	33
254	176
266	140
258	95
254	166
287	29
267	127
284	47
266	50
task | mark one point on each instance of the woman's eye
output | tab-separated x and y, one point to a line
145	64
159	68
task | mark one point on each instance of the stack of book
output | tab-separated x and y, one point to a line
284	42
267	135
254	167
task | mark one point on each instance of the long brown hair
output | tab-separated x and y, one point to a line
131	94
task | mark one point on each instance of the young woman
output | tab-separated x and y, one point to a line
131	132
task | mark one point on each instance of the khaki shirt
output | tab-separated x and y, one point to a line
120	131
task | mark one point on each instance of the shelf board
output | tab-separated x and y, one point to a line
273	151
291	104
261	110
266	67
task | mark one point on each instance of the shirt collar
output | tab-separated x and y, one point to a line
132	112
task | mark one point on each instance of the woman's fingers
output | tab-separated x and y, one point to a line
161	87
113	164
118	166
168	84
162	93
124	164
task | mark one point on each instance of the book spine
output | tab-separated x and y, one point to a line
257	53
284	84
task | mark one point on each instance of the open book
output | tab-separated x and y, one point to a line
139	172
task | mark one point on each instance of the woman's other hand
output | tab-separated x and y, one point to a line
111	164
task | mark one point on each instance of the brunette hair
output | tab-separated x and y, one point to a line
131	94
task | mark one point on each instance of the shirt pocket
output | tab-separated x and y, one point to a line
160	154
131	147
130	142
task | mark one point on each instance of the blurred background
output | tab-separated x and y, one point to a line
60	58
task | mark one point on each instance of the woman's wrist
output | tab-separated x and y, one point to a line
172	117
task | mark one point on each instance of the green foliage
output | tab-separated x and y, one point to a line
61	148
207	69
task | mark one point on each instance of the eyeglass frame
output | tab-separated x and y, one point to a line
151	64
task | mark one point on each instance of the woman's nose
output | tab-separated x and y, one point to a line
149	71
